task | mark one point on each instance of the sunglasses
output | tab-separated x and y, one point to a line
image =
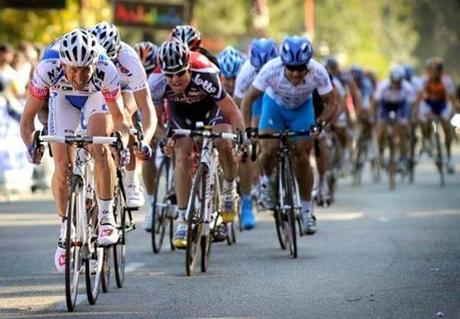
178	74
298	68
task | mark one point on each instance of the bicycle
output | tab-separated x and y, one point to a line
287	205
203	204
81	249
164	205
438	158
363	141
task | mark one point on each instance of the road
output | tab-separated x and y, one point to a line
377	254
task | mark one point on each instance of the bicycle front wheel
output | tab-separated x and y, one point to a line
73	254
194	215
160	206
119	249
289	228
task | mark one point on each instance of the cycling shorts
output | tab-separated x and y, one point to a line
278	118
257	107
401	109
67	112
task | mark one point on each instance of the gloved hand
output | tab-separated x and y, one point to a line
143	152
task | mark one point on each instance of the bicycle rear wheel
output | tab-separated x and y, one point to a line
195	224
73	253
160	206
391	162
119	249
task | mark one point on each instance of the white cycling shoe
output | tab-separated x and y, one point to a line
134	196
108	232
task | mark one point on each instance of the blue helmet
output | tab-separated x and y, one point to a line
356	71
230	62
409	70
262	50
397	73
296	50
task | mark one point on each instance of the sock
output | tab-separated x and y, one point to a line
150	199
324	178
306	205
105	206
130	177
181	214
264	180
246	197
229	185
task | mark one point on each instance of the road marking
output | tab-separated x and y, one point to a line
382	219
133	266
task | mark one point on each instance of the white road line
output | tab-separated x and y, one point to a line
382	219
133	266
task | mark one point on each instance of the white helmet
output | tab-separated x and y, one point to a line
397	73
108	36
78	48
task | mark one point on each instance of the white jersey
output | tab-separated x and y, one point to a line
130	69
386	94
49	76
244	79
272	80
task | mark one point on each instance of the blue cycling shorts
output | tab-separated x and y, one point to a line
279	118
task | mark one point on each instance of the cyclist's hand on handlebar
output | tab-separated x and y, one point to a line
120	153
317	128
35	150
143	151
167	146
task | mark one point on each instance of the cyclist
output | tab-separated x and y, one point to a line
136	95
394	94
438	98
192	37
147	52
323	191
230	63
261	51
190	83
83	88
288	82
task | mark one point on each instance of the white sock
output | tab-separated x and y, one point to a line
306	205
229	185
130	177
105	206
264	180
181	215
324	178
150	199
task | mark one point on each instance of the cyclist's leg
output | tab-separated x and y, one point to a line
444	116
100	124
302	118
270	121
62	119
134	193
425	117
402	130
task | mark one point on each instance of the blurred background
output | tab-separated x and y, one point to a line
371	33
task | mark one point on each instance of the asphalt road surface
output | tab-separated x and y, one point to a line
377	254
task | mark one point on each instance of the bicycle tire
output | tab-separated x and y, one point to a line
412	141
119	249
105	283
290	227
195	220
439	161
94	278
159	219
277	215
359	160
391	162
73	262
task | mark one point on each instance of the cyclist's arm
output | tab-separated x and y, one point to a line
246	104
31	109
231	112
149	117
238	102
331	104
119	117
